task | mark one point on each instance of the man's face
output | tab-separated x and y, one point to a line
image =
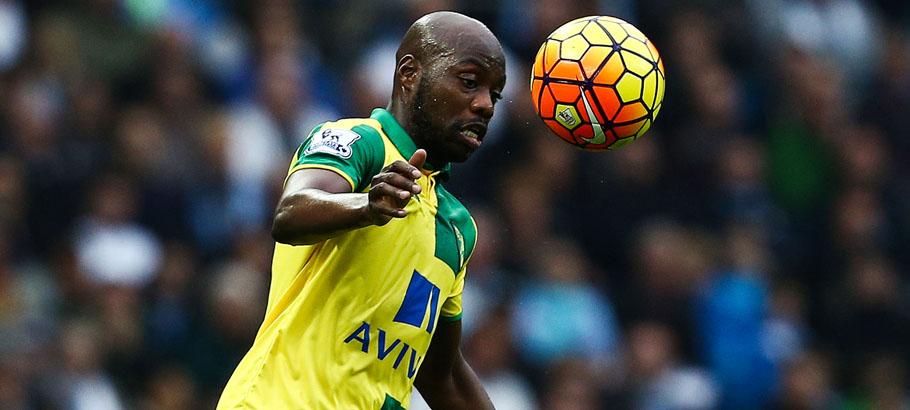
454	102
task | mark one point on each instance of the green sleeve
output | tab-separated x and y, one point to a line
357	153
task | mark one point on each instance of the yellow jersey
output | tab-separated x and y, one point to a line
349	320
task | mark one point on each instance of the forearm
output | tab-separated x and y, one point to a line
461	390
312	215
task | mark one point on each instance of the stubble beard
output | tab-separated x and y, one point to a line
423	125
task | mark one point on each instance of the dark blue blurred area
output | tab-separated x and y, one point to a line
749	252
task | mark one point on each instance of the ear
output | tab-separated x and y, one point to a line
408	73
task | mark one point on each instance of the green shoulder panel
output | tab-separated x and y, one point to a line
391	404
349	146
455	318
377	154
456	234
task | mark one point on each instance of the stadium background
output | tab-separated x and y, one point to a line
749	252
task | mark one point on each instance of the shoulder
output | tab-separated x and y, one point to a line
356	125
345	138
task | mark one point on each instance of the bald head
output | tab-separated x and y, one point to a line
449	75
437	37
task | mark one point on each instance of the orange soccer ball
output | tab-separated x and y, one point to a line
597	82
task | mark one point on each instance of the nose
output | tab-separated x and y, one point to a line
482	105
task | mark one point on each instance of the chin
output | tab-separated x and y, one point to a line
453	152
460	156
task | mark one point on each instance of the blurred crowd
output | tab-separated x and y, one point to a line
749	252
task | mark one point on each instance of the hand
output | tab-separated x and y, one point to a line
392	188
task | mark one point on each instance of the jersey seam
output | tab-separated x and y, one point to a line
259	370
377	148
325	167
451	318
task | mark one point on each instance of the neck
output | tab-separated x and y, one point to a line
401	113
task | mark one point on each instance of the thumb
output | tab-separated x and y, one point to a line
419	157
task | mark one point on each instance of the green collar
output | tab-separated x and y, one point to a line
402	140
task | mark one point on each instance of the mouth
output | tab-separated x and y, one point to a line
473	133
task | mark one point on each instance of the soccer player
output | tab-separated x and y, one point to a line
368	271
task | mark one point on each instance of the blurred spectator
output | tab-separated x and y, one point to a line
889	96
371	75
528	213
14	201
730	317
85	142
806	384
670	263
882	385
13	390
110	247
29	302
865	157
865	312
33	117
620	191
171	388
742	193
859	225
526	24
157	161
786	331
571	385
89	37
658	380
189	18
845	31
804	137
558	314
488	289
263	135
234	305
13	38
491	352
717	102
170	307
81	383
208	214
121	336
859	221
532	213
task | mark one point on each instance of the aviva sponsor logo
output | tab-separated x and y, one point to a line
384	348
421	293
421	296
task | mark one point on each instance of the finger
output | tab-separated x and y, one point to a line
418	159
384	189
403	168
384	208
398	181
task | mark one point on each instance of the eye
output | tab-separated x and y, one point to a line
496	95
469	83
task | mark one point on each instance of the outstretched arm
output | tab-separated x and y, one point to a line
445	379
318	204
